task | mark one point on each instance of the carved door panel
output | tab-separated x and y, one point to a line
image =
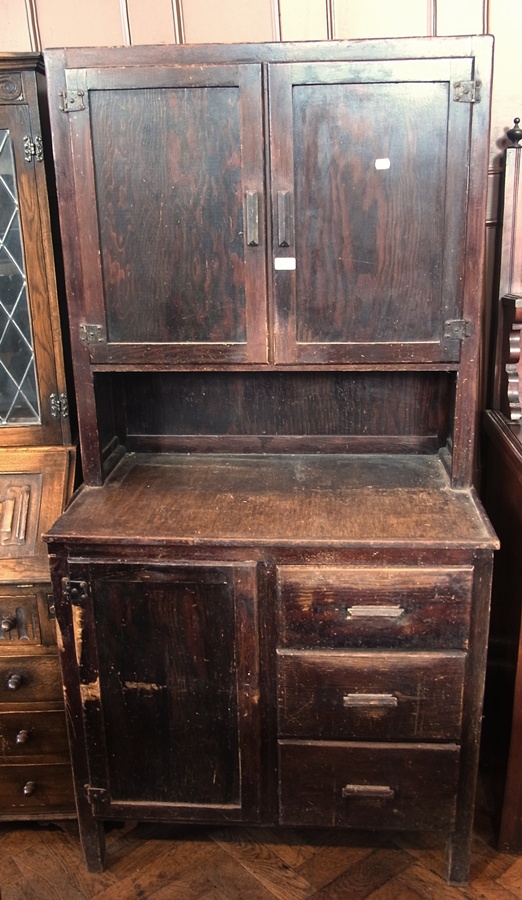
31	403
369	180
173	248
35	484
168	668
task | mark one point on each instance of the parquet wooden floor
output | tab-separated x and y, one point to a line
191	863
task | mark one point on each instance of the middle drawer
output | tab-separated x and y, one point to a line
370	696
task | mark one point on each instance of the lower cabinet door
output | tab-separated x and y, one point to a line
368	785
168	666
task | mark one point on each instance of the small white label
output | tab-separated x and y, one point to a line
382	163
284	263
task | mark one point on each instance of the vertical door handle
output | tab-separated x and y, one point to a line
252	218
283	218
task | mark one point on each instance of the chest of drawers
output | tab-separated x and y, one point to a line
35	768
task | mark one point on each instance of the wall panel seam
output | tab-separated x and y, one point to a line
179	26
32	23
125	23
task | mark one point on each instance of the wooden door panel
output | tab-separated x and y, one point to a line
175	158
361	189
175	653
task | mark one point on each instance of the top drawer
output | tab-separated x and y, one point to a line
407	607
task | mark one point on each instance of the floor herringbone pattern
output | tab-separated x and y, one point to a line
189	863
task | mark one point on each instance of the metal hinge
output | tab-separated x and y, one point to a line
59	406
74	591
467	91
72	101
33	149
457	329
95	794
91	334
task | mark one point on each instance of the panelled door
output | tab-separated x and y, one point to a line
173	249
369	166
169	666
28	381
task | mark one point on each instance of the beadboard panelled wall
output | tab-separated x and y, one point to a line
37	24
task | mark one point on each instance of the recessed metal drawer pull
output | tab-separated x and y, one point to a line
377	612
387	700
252	218
373	791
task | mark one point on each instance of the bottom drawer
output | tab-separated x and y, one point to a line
35	788
408	786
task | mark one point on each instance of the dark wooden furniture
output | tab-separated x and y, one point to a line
502	748
273	588
36	458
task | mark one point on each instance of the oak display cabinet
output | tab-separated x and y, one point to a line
273	588
36	457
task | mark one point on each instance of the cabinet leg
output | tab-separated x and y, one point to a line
92	839
458	853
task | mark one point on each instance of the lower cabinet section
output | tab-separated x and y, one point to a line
247	683
363	785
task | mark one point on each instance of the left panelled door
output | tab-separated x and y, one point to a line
170	194
168	668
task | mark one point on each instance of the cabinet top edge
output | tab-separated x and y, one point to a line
275	51
28	61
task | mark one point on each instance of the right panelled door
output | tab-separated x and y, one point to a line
369	165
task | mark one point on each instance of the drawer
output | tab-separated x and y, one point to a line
20	622
26	734
25	679
370	696
407	607
33	788
368	785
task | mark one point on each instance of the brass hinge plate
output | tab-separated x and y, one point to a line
74	591
467	91
59	406
457	329
33	150
95	794
91	334
72	101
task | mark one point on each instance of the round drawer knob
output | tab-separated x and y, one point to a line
8	623
14	682
22	737
29	788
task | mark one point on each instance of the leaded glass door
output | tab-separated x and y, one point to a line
29	396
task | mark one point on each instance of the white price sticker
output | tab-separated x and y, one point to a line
284	263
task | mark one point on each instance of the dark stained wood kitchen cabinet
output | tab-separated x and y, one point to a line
273	588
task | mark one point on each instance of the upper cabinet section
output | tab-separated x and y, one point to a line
272	204
33	403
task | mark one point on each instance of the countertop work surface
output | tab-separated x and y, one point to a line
273	499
